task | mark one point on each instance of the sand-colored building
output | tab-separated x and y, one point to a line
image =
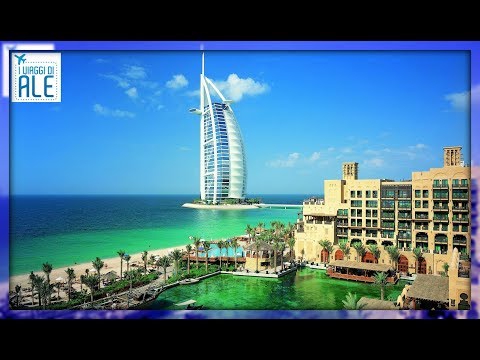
431	211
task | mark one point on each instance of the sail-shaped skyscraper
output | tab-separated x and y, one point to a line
223	171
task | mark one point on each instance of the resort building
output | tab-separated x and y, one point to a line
431	211
223	171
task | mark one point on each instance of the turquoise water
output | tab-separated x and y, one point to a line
64	230
215	251
306	289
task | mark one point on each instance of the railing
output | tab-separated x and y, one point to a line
440	186
464	257
421	227
459	196
342	223
441	240
385	226
404	237
342	215
460	219
404	227
421	216
438	228
441	208
440	218
421	238
459	185
404	207
460	208
460	241
388	216
404	216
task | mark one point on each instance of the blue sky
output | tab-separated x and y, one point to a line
123	124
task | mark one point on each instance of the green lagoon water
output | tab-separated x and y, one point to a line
306	289
64	230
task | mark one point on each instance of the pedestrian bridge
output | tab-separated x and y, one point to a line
280	206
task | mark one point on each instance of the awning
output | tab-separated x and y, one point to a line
360	265
188	302
429	287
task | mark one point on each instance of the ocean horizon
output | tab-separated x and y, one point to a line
69	229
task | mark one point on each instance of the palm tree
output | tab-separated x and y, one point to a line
176	256
360	249
189	250
351	302
58	285
373	248
47	269
145	259
220	247
98	265
276	247
91	281
70	276
343	245
257	244
38	284
291	244
121	253
394	254
31	277
18	292
248	231
281	249
196	242
127	260
381	280
445	269
234	245
81	282
227	245
418	255
45	291
164	262
206	248
260	228
326	245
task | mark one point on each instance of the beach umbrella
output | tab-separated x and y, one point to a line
59	279
93	270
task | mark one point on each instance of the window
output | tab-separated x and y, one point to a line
417	193
403	194
374	213
375	194
455	182
352	194
425	193
369	223
444	182
464	182
389	193
359	194
417	204
359	213
405	204
436	183
353	212
356	203
369	213
368	194
372	203
425	204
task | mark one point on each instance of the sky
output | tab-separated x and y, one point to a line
123	125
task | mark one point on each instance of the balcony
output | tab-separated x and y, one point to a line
440	228
421	227
388	216
421	216
440	186
464	220
387	206
422	238
441	240
342	223
404	227
460	186
407	216
459	241
440	218
459	196
404	236
460	208
342	215
440	207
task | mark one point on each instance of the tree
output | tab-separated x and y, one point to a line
91	281
45	292
176	256
282	249
31	277
351	302
260	228
196	242
127	260
326	245
445	269
47	269
18	293
418	255
189	250
121	253
98	265
38	284
394	254
360	249
257	245
373	248
82	277
381	280
276	246
343	245
227	245
58	285
70	277
248	231
291	244
220	247
206	248
235	247
164	262
145	260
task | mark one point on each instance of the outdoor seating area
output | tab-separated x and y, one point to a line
360	271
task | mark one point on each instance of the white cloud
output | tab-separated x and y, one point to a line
372	152
315	156
132	93
290	161
347	150
234	88
160	107
418	147
105	111
461	101
102	61
134	72
178	81
330	149
183	148
121	82
194	93
374	162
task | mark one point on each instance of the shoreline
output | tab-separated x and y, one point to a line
111	263
219	207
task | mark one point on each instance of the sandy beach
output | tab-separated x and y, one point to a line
219	207
112	263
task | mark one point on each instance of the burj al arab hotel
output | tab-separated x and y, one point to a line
223	171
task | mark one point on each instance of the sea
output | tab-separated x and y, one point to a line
65	230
